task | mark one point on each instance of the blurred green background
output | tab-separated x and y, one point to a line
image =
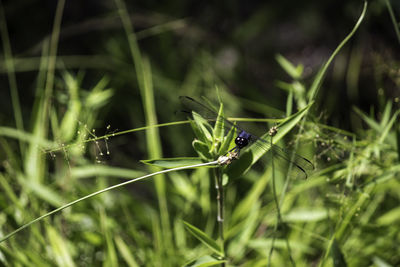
75	75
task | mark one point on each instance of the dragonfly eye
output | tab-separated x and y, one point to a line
241	142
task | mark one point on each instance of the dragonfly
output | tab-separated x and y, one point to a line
245	139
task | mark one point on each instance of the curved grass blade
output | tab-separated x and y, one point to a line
204	238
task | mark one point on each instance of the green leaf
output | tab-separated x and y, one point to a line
69	121
289	104
306	214
389	126
390	217
386	113
219	127
228	140
42	191
380	262
202	149
59	248
204	238
337	255
371	122
125	251
205	261
397	125
294	72
240	239
203	127
102	170
172	162
99	99
243	209
27	137
319	78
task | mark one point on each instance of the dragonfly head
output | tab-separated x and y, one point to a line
242	139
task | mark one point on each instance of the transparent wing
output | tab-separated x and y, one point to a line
301	163
191	104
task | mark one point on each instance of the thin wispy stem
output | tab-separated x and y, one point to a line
102	191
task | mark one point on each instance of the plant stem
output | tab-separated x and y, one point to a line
392	16
279	216
277	208
4	238
220	207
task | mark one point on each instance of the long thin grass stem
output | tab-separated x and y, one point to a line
220	206
279	216
102	191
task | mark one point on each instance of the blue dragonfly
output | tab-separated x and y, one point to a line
244	138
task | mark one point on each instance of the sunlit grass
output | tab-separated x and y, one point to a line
65	154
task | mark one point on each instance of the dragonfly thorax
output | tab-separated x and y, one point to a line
242	139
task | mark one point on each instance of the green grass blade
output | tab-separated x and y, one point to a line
204	261
10	68
4	238
204	238
294	72
111	255
59	248
244	207
27	137
371	122
396	25
337	255
306	214
172	162
219	129
125	252
203	129
386	113
41	191
389	126
316	85
102	170
143	74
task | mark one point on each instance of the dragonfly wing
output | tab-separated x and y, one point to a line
205	111
300	163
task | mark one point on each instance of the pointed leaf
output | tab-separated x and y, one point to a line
319	78
103	170
389	126
386	113
42	191
60	248
337	255
205	261
172	162
125	251
202	149
204	238
203	126
219	128
294	72
227	143
305	214
371	122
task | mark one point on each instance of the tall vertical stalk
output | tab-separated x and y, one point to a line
278	210
220	207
